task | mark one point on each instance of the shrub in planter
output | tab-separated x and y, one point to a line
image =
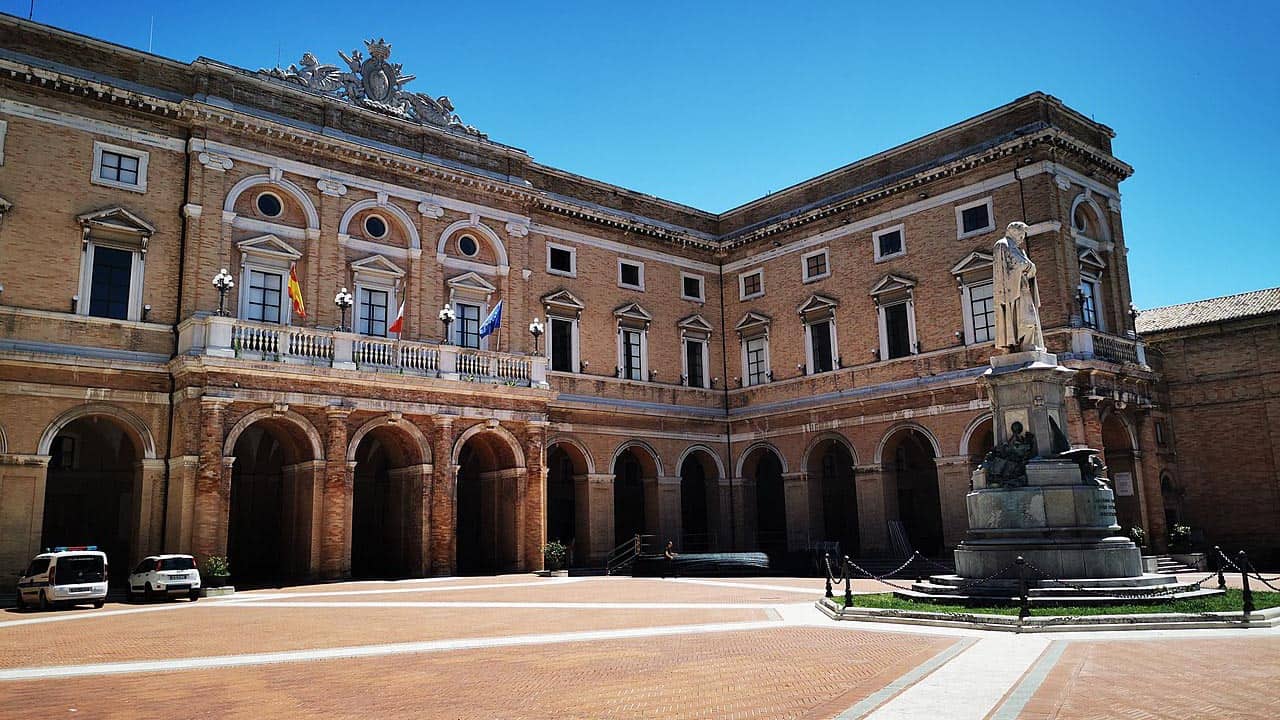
554	554
1180	538
216	571
1139	536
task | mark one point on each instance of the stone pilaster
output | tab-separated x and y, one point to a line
336	498
874	509
670	518
795	489
1146	468
181	500
147	509
593	508
954	475
443	488
533	507
213	483
736	526
418	483
22	485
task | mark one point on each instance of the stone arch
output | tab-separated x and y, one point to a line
974	427
499	248
1125	423
833	436
644	447
297	193
579	449
884	440
420	445
290	418
508	440
715	457
1099	217
406	222
742	458
4	441
133	425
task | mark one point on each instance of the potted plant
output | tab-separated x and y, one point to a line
554	555
217	571
1180	547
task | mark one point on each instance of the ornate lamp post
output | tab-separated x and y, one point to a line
447	317
536	329
223	282
344	301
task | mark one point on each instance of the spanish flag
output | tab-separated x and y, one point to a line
295	292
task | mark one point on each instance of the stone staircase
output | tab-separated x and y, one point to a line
1166	565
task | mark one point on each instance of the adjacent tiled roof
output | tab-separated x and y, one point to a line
1203	312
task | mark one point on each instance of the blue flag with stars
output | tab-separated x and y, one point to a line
493	322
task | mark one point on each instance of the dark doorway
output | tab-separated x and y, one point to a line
486	507
916	475
257	530
831	465
384	497
561	510
693	506
628	497
771	504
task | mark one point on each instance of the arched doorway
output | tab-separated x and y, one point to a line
981	440
489	478
89	490
275	496
634	473
699	502
909	458
387	505
566	470
763	470
1117	451
831	485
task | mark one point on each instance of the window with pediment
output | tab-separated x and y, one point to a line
753	339
471	295
633	342
264	278
818	315
377	281
564	313
977	307
894	298
695	356
1089	292
113	254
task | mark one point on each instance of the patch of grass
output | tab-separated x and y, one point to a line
1231	601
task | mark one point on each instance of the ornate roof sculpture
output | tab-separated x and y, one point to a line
373	83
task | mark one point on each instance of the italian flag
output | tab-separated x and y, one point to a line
295	292
398	325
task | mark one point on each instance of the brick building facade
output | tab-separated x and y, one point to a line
799	369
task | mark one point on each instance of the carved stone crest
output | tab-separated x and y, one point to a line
373	82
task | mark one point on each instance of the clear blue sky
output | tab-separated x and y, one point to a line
714	104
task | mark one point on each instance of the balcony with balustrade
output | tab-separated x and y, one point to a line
227	337
1090	344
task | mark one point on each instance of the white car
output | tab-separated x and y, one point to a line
66	576
165	576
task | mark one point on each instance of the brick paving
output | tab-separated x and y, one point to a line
1154	679
784	673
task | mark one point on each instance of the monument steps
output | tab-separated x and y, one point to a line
1166	565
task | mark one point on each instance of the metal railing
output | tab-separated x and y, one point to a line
625	555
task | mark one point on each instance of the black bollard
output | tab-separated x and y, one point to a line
915	557
1218	560
848	588
1024	608
826	557
1244	577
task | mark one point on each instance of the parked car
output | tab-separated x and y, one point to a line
165	576
65	576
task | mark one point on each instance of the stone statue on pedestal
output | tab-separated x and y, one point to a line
1016	293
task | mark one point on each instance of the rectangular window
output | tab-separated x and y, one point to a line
820	345
631	275
118	168
112	276
264	296
561	344
560	260
888	243
1089	304
815	265
468	320
373	312
982	311
757	361
632	367
751	285
691	287
897	331
693	361
974	218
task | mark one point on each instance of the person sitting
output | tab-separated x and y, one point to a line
669	560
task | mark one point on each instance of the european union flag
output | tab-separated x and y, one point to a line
493	322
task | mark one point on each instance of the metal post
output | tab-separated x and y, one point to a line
848	589
1024	608
1244	577
1218	561
827	560
915	556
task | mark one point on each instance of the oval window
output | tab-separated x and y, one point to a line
375	226
269	205
467	246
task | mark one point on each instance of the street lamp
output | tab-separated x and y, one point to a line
223	282
536	329
447	317
344	301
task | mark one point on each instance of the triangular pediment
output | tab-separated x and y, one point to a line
976	260
695	323
752	320
118	221
892	284
562	299
471	282
269	246
377	265
1090	260
5	205
632	311
818	303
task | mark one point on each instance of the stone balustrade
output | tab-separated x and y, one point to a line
1089	344
234	338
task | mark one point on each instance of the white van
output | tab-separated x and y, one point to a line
67	576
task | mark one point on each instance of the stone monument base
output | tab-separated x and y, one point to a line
1146	589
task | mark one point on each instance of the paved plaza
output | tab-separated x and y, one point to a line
518	646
